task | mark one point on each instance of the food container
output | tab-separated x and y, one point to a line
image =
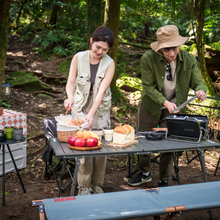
9	132
2	136
65	131
18	134
108	134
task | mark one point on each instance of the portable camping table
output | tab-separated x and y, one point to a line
133	203
142	147
2	145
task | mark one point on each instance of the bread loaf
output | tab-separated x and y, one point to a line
123	134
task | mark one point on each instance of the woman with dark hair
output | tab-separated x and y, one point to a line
88	90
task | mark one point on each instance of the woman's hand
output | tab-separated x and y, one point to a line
89	118
170	106
201	95
68	104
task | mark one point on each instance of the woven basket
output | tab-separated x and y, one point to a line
63	136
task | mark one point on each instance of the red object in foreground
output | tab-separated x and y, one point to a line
92	142
71	140
79	142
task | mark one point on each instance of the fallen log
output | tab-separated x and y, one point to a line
47	93
134	45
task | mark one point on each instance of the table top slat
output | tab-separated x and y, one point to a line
142	147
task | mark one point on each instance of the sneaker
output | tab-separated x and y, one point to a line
95	189
139	179
162	183
83	192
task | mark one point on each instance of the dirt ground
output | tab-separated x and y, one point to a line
19	204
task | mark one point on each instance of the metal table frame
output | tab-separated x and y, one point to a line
2	145
142	147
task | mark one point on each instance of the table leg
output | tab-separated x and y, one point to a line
16	168
3	175
176	168
62	176
202	162
75	177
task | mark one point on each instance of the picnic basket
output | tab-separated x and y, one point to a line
63	136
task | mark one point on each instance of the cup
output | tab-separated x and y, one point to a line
18	134
99	133
108	134
9	132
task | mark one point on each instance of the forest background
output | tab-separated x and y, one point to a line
62	28
38	39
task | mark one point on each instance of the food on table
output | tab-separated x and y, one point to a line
94	134
80	142
84	139
79	134
71	140
92	142
75	122
86	135
123	134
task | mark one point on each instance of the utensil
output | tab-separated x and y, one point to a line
184	104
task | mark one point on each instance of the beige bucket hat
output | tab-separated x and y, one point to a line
168	36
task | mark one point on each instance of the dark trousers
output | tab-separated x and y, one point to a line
146	122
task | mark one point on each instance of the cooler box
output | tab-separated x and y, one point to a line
18	151
16	119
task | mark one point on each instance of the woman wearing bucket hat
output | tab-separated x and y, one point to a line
167	75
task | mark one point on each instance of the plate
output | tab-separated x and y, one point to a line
85	148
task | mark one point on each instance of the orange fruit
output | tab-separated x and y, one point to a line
86	135
79	134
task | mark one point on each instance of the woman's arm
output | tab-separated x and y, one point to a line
69	102
104	85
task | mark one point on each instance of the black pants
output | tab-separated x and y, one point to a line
146	122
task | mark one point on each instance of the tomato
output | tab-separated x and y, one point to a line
92	142
71	140
79	142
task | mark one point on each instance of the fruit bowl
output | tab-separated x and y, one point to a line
86	148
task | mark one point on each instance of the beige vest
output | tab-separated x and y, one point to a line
83	83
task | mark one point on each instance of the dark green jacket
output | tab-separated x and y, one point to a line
153	73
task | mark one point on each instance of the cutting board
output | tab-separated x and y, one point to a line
122	145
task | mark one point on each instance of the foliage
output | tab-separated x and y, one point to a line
118	97
211	108
59	42
64	67
124	112
3	103
129	81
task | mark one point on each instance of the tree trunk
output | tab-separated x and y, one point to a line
94	16
53	14
4	26
111	20
20	11
199	9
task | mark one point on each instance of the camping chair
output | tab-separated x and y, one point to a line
50	130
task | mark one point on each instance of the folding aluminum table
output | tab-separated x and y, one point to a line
142	147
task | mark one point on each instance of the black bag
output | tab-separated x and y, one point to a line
186	126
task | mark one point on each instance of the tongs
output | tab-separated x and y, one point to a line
184	104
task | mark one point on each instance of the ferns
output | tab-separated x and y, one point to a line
59	42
